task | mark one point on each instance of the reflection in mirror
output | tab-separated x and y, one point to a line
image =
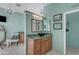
36	23
46	25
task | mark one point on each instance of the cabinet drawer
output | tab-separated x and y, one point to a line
37	44
37	41
37	52
38	47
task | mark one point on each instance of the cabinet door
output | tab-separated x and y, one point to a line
44	45
30	47
49	43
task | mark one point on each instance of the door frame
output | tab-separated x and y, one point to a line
68	12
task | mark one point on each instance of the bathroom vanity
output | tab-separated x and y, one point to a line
39	45
38	37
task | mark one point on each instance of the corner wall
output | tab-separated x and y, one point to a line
58	35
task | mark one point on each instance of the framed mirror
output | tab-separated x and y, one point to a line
36	22
46	25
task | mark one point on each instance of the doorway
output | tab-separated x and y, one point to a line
72	32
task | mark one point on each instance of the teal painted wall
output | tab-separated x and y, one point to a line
14	23
28	23
58	35
73	34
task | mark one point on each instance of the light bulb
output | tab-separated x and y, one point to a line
9	11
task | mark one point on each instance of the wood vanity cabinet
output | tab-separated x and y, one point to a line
39	46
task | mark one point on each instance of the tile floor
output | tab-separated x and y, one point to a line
53	52
19	50
13	50
72	51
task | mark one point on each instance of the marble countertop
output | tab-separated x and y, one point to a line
35	36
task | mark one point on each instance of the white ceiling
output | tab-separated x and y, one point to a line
33	7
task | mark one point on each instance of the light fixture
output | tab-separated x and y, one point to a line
9	10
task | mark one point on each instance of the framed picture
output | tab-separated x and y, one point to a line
57	26
57	17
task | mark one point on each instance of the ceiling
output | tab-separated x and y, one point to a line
21	7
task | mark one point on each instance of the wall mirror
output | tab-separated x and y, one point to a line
36	23
46	25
